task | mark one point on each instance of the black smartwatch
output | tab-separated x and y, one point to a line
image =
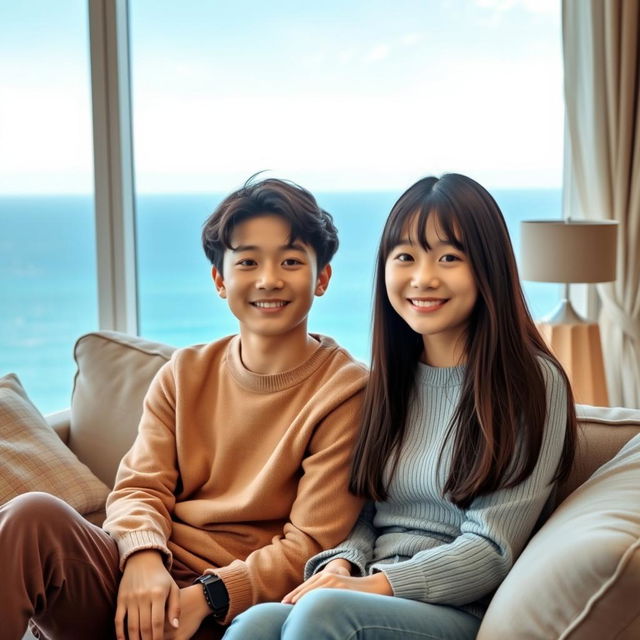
215	593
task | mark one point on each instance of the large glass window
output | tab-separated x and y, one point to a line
47	245
354	101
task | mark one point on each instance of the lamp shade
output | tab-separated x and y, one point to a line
568	251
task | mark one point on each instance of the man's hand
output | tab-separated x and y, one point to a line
336	575
194	609
146	591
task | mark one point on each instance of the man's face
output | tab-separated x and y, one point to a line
269	281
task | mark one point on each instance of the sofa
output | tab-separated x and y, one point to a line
578	578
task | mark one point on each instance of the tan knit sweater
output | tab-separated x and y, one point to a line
241	472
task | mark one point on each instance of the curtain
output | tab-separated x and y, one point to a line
602	164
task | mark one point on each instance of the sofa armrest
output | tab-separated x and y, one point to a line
60	422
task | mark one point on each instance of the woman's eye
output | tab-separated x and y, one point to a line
449	257
404	257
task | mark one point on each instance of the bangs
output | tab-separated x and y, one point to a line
231	222
408	220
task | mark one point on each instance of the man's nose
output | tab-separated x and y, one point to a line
269	278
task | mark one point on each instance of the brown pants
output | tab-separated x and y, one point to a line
61	572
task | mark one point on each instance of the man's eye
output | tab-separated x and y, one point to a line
291	262
246	262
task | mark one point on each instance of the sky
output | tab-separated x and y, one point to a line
338	95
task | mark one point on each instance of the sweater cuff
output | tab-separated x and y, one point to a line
133	541
406	580
238	584
320	561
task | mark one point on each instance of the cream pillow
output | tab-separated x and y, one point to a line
579	577
114	373
33	458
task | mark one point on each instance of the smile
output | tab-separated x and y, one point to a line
269	304
428	304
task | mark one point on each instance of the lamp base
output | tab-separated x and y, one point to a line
564	313
577	346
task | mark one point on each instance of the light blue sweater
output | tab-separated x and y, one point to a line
429	549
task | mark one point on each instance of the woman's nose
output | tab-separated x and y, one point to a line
425	277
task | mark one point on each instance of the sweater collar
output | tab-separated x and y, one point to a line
440	376
269	383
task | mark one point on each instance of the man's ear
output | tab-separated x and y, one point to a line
323	280
218	280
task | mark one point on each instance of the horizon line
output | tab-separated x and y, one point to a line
48	194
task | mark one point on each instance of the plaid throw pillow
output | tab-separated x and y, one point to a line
33	458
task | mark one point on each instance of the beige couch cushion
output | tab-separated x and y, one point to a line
114	373
579	577
33	458
602	432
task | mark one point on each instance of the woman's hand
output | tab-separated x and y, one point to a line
145	592
339	566
376	583
193	610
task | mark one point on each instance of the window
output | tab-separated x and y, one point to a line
47	244
352	100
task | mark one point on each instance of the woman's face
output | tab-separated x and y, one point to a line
433	291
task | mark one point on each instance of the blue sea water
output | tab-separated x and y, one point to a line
48	292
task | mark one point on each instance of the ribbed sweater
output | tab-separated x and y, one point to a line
429	549
239	473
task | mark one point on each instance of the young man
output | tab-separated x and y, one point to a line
240	469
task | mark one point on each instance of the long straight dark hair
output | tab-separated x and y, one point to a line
499	421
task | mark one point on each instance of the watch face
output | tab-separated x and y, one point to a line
216	594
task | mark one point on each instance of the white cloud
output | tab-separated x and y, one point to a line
45	140
379	52
531	6
345	56
351	141
410	39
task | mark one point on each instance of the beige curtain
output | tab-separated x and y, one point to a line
602	168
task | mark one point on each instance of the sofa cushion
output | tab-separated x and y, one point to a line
34	458
114	373
579	577
602	432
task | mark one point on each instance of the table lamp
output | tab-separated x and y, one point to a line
572	251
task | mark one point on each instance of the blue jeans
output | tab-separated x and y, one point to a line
337	614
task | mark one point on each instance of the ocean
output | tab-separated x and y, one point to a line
48	292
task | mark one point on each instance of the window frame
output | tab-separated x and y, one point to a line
113	166
114	172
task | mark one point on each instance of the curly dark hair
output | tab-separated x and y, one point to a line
271	196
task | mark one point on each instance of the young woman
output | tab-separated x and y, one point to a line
468	423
